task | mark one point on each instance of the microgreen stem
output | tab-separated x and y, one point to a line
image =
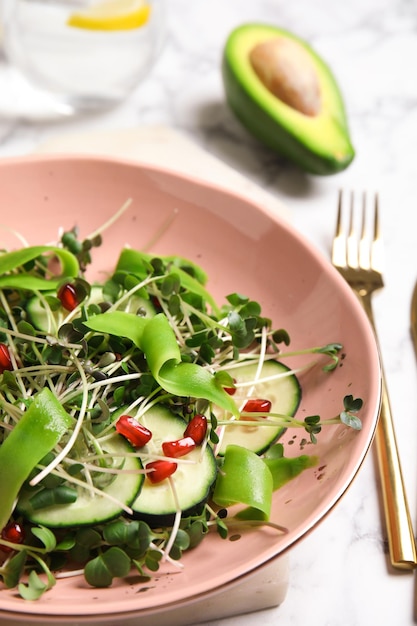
177	521
64	452
112	220
95	490
257	379
166	224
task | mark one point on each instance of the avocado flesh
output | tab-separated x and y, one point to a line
319	144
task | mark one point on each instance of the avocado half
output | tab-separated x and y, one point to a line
314	137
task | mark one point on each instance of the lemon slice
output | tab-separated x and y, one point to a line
112	15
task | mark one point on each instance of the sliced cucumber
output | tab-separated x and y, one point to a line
192	480
90	509
284	393
48	320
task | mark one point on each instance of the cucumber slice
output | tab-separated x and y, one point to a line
90	509
284	394
192	480
43	318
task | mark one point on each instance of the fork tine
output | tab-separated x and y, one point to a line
357	251
339	214
376	249
352	240
339	258
364	243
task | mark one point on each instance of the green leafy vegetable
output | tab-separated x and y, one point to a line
157	340
348	416
10	261
135	262
12	571
37	432
245	479
285	469
100	571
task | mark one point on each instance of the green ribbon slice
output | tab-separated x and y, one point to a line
285	469
37	433
157	340
16	259
244	479
137	263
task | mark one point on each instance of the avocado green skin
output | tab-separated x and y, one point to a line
312	157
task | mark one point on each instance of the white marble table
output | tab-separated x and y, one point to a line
339	574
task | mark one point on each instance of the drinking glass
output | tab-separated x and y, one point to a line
88	67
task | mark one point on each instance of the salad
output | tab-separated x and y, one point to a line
136	415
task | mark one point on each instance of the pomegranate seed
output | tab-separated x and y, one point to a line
155	301
68	296
197	429
13	532
5	360
160	470
134	432
178	448
256	405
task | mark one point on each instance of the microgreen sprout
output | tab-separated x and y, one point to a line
351	407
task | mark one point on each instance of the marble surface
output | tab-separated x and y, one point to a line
339	574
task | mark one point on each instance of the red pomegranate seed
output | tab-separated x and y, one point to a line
160	470
155	301
5	360
178	448
197	429
13	532
256	405
133	431
68	296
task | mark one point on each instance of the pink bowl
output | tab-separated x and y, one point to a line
244	248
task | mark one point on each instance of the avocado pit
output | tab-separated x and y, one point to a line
286	70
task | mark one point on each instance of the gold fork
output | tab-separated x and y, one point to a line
359	261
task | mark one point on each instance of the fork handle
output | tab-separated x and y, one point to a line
401	541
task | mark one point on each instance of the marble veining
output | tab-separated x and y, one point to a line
339	574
